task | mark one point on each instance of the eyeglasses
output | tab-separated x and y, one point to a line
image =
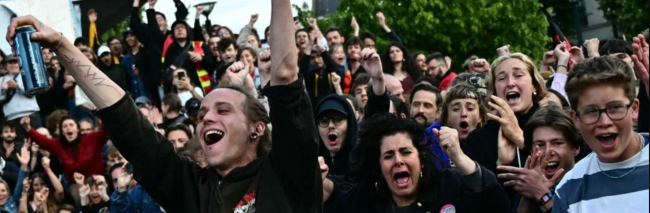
325	121
615	112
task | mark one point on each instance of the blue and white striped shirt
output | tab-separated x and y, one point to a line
586	189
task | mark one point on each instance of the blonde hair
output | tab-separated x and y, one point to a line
538	80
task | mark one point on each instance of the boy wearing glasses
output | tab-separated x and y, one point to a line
614	177
337	129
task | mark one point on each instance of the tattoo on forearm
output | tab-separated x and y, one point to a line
86	69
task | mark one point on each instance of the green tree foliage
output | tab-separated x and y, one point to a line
119	29
456	28
629	16
115	31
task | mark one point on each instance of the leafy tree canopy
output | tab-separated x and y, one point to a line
456	28
629	16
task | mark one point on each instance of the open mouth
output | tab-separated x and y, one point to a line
213	136
464	125
403	179
551	168
69	134
512	97
607	141
332	139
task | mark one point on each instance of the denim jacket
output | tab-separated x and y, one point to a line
132	201
11	206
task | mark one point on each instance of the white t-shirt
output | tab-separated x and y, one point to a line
186	95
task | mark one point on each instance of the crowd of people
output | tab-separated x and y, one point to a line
180	118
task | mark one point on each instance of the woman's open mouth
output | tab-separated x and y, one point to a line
464	126
402	179
512	97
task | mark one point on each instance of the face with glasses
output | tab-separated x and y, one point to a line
116	46
332	129
604	117
180	31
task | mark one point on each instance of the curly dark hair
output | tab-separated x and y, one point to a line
366	170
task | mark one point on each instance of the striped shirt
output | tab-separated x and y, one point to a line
587	189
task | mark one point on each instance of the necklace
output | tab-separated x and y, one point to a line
628	172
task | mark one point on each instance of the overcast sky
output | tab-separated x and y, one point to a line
234	14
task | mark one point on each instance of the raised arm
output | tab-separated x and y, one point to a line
198	31
56	183
43	141
284	62
293	155
131	133
23	158
152	23
392	36
242	40
136	25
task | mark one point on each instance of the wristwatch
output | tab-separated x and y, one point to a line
546	198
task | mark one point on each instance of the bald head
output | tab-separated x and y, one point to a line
44	131
394	86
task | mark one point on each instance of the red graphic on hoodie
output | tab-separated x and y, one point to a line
246	204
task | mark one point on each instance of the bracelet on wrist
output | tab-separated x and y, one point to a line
565	66
59	44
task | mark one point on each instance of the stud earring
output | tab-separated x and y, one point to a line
254	136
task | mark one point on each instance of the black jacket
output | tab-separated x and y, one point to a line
174	54
481	146
476	192
148	59
340	164
117	74
286	180
318	82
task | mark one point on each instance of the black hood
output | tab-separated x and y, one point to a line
187	27
342	158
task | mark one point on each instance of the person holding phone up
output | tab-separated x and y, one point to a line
183	87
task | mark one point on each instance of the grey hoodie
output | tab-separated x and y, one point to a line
19	104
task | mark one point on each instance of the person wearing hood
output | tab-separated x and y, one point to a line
112	70
180	50
337	129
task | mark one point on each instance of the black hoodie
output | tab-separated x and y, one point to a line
286	180
173	56
341	162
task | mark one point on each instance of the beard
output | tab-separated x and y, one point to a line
9	139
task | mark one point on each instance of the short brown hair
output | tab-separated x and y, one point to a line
173	101
112	151
554	117
461	91
599	71
361	79
538	81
